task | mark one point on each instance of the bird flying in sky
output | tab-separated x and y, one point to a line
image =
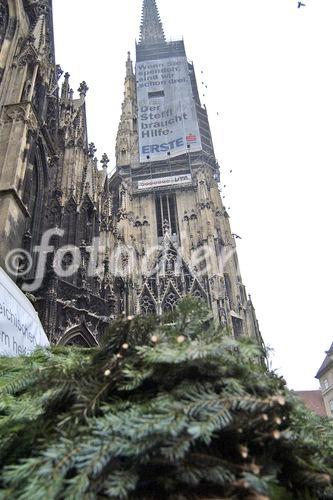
300	4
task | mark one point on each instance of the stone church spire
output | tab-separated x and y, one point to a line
151	30
127	136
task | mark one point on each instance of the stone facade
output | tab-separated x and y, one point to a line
48	176
136	252
325	377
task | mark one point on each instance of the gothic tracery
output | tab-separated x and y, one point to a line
160	226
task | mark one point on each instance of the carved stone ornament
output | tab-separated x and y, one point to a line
28	53
14	113
83	89
22	112
91	150
105	160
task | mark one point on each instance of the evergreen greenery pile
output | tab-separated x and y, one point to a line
166	408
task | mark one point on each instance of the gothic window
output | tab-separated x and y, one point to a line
4	16
54	214
201	261
170	301
169	262
115	200
166	214
34	189
197	294
69	222
116	292
86	221
237	325
31	187
228	288
243	291
39	98
147	305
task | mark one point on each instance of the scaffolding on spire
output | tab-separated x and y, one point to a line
151	29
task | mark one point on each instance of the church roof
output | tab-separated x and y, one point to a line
151	30
327	363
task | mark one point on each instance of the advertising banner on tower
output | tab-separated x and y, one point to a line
173	180
167	119
20	329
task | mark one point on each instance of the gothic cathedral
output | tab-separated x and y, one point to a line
86	246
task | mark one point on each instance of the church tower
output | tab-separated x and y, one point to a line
135	243
170	222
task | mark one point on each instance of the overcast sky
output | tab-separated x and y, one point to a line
268	70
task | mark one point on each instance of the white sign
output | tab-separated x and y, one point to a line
174	180
167	118
20	329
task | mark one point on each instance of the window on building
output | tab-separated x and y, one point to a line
325	383
237	325
166	214
331	405
228	287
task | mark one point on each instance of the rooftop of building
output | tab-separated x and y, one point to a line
313	400
327	363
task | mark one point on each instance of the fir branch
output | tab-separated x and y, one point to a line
169	407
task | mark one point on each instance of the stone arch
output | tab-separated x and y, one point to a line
80	336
